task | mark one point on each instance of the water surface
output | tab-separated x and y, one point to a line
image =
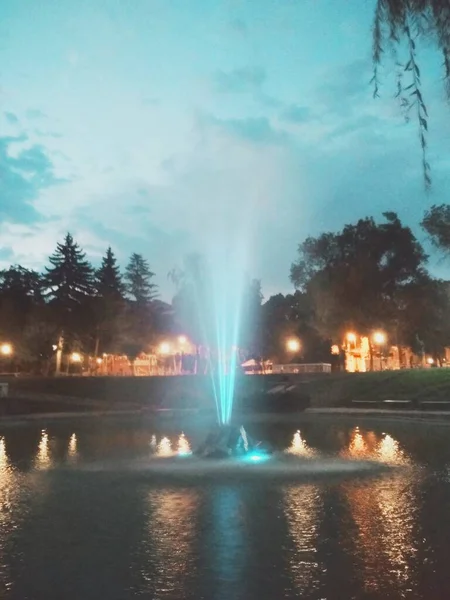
74	527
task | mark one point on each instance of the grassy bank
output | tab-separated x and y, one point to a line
273	393
414	385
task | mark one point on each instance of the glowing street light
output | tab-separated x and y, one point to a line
351	337
6	349
75	357
99	360
430	361
164	348
379	338
293	345
182	339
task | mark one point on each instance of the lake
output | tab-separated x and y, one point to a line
81	517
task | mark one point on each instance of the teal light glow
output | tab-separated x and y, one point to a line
227	286
219	287
256	457
184	454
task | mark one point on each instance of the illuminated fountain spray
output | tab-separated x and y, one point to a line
164	447
220	292
299	447
184	448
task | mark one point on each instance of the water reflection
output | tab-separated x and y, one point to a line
370	446
72	449
389	451
184	448
42	460
299	447
303	507
385	518
6	478
228	543
168	547
164	447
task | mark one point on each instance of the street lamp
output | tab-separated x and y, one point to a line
75	357
379	338
293	345
182	339
6	349
164	348
351	337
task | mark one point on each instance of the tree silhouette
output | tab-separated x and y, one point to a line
109	303
138	278
69	285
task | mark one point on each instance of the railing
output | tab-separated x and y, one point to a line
302	368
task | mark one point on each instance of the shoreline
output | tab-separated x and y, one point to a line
307	415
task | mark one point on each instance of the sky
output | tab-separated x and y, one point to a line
167	127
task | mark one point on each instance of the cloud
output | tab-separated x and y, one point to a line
48	134
238	26
345	87
296	114
238	81
34	113
11	118
151	101
256	130
24	175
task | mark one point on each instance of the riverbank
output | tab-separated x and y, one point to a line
423	390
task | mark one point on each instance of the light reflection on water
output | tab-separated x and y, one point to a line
299	447
302	507
168	545
381	537
369	446
43	460
384	516
72	449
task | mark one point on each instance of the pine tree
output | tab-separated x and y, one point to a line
109	304
108	280
69	285
138	280
69	280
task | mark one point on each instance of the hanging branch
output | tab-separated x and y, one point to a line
418	102
410	20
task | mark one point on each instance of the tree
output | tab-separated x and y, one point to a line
411	21
69	285
70	279
138	277
284	317
436	223
108	280
109	303
354	277
21	303
424	322
138	320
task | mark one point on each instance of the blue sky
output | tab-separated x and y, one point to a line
172	126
